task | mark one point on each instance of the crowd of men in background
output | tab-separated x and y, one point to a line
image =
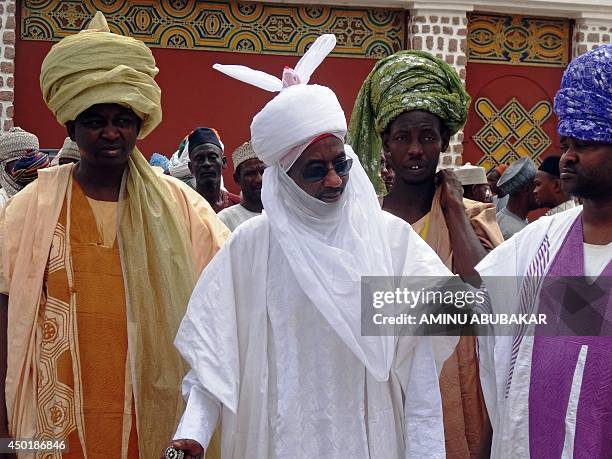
516	191
260	293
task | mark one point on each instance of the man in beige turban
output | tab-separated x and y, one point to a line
96	287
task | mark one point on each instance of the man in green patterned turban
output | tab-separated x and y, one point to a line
405	81
409	106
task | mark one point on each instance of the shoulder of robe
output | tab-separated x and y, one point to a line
198	214
484	221
16	209
180	189
252	230
399	231
394	221
548	222
178	186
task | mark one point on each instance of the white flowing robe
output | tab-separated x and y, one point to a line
282	378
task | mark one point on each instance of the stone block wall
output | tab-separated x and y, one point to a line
7	63
589	35
443	34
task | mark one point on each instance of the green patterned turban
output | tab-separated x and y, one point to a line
405	81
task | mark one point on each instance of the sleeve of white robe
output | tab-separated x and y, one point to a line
414	258
201	413
207	340
419	357
423	422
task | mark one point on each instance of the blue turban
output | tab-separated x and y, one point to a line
584	102
200	136
160	161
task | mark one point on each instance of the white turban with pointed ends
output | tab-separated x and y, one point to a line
322	265
95	66
292	120
300	113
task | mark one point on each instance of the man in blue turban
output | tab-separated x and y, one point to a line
548	389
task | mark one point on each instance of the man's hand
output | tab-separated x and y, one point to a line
191	448
451	191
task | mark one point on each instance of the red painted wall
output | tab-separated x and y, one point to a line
501	83
193	94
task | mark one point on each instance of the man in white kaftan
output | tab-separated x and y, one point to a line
273	329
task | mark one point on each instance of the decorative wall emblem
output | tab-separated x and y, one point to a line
511	132
518	40
223	25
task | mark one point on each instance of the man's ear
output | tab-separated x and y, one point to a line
557	185
70	129
236	177
224	162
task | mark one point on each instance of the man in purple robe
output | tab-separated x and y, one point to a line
548	388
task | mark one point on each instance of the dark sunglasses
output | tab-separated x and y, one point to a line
317	172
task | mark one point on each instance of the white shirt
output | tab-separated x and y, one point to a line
235	215
596	258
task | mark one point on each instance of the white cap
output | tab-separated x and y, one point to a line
471	175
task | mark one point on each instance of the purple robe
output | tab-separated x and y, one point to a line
555	357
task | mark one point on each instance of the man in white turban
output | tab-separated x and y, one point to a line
98	283
273	329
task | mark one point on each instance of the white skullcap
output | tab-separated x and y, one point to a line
471	175
16	142
300	113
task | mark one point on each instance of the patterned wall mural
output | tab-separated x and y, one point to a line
511	132
223	25
518	40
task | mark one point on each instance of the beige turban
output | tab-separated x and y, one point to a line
95	66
